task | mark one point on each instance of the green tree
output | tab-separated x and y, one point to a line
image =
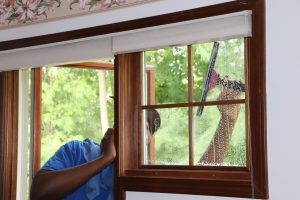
171	86
70	106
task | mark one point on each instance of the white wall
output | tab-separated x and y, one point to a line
283	70
283	110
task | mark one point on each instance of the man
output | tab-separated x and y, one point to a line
70	172
82	170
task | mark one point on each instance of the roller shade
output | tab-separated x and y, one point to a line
56	53
221	27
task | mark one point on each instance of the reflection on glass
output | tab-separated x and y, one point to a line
220	136
171	74
71	108
170	128
228	72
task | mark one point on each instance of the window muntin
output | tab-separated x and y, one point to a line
184	136
237	184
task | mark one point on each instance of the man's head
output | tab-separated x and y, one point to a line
153	119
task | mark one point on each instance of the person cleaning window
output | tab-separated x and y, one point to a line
82	170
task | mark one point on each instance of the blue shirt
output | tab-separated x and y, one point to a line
99	187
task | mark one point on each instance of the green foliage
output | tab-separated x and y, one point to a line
171	86
70	107
70	103
172	141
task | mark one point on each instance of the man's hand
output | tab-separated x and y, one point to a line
232	110
108	145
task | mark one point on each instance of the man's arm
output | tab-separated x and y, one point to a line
55	185
218	147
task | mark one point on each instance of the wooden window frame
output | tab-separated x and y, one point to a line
190	105
226	181
257	104
248	182
36	113
9	93
36	101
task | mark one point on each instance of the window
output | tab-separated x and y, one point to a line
9	133
76	104
188	132
139	165
219	152
67	104
71	101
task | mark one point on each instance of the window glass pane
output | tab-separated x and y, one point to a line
228	71
170	127
171	75
220	136
71	108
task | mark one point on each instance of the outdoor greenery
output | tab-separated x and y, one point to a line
171	86
71	110
70	106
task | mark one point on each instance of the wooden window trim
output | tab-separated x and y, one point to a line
190	99
164	19
129	140
257	102
36	113
192	104
9	90
36	122
250	181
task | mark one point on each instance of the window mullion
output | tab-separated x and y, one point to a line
36	121
190	99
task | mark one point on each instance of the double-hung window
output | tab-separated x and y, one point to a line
189	90
196	112
192	127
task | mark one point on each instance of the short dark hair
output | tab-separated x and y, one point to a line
154	120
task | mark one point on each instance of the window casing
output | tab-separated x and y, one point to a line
131	172
222	182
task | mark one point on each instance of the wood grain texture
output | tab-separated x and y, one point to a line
129	86
129	177
36	122
247	63
127	112
1	131
90	65
193	104
190	99
251	182
186	186
118	164
9	86
257	100
151	101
